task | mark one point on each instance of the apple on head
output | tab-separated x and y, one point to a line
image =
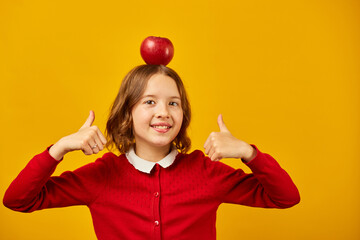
157	50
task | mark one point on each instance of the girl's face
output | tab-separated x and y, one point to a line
157	116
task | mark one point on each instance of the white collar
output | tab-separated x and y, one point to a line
146	166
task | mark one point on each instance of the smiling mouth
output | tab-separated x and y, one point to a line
161	127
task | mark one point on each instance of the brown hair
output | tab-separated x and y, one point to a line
119	127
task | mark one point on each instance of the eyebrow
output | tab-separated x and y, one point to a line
154	96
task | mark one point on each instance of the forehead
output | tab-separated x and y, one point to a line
161	85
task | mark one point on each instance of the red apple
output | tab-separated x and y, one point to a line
157	50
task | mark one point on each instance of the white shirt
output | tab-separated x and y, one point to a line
146	166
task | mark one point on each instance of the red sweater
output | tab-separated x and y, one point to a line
178	202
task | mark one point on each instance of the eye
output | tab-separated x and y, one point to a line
149	102
175	104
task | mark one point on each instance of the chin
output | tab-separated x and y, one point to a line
162	143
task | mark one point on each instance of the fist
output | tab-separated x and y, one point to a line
223	144
88	139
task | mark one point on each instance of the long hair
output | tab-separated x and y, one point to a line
119	127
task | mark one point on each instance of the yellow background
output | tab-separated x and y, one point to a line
285	75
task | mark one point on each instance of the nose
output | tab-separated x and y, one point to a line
162	111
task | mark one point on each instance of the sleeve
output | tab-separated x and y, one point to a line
35	189
268	186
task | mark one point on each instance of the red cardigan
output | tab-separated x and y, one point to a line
178	202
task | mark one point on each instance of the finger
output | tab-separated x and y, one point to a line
101	136
216	156
99	145
89	121
221	124
87	144
210	140
93	146
87	149
94	141
213	153
206	145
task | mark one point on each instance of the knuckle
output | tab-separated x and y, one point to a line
93	131
85	138
83	143
217	151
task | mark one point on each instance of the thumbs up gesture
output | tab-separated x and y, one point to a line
224	145
89	139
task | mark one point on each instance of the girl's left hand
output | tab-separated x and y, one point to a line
224	145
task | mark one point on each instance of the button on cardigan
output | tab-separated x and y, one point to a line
177	202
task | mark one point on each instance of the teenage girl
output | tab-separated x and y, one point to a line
154	189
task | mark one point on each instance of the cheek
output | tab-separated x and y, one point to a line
179	124
180	118
139	115
136	119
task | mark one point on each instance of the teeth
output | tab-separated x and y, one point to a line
161	127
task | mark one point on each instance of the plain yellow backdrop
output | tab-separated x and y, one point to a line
284	74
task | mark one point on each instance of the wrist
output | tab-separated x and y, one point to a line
57	151
250	154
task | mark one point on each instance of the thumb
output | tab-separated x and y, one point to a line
89	120
221	124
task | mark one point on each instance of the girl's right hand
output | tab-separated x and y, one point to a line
89	139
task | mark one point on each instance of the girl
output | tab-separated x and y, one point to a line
154	189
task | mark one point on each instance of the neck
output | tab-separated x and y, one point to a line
152	154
